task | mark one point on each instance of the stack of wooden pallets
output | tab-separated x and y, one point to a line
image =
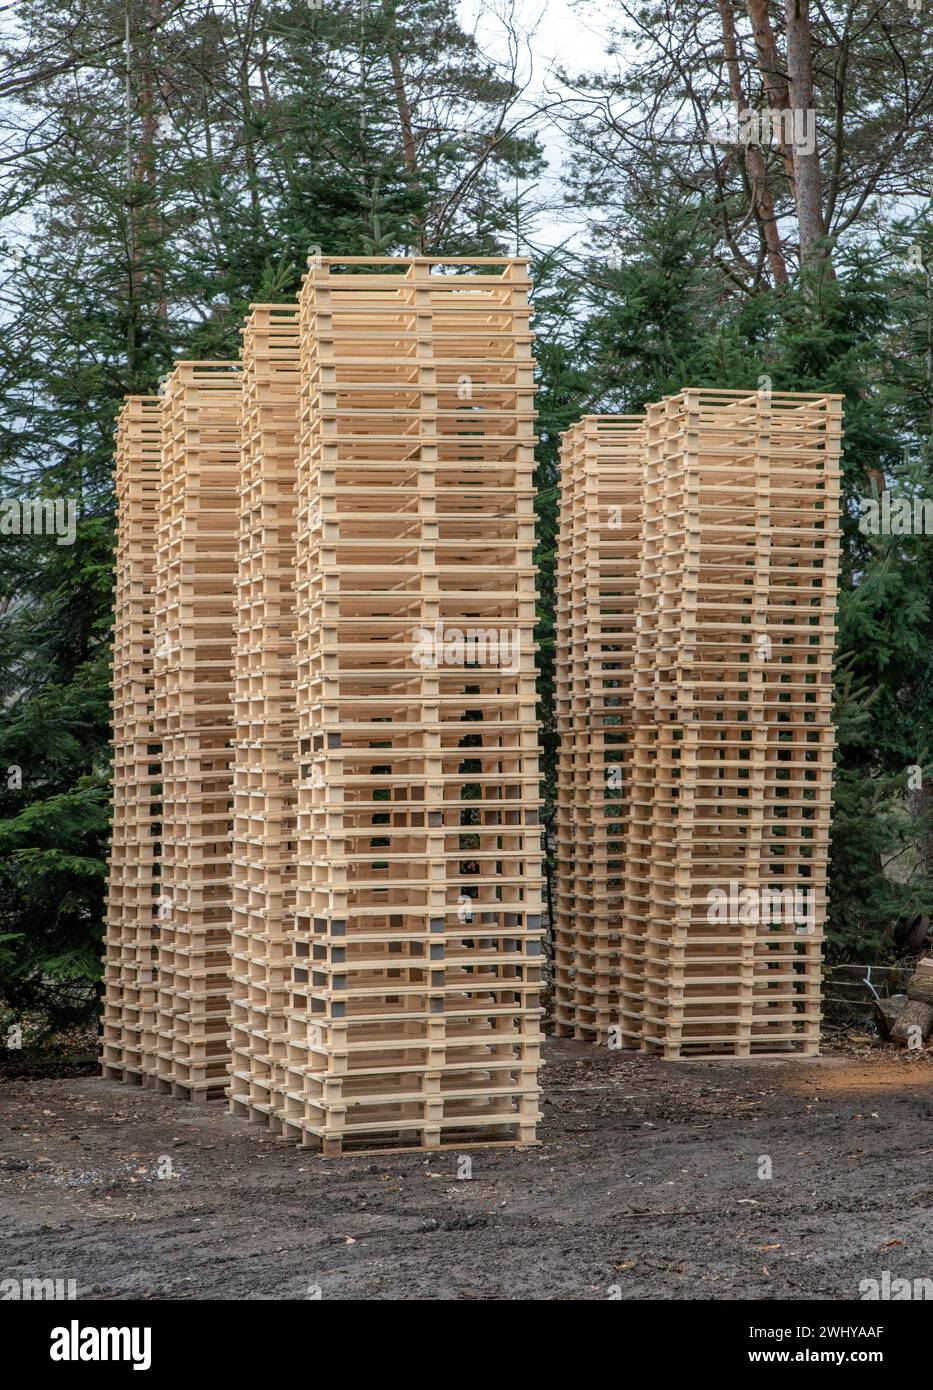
350	914
133	881
264	713
599	549
324	668
728	798
196	567
413	1016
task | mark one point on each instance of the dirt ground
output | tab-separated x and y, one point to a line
646	1186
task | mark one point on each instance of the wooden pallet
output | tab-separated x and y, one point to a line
265	720
597	580
737	593
128	1028
717	809
196	567
413	1015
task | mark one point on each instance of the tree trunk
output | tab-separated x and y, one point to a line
762	201
406	123
806	161
769	60
920	806
146	172
772	72
132	275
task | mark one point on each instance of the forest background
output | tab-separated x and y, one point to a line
164	163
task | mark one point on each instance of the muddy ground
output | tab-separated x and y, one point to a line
647	1180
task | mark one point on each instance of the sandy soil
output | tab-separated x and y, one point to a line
647	1180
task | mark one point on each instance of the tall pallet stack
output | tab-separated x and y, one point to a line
598	564
728	799
196	569
734	667
413	1015
265	718
133	883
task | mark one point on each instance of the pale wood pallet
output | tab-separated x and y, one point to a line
413	1014
727	771
598	562
133	868
265	717
716	805
196	568
733	673
742	550
564	898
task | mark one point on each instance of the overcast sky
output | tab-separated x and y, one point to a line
555	33
575	35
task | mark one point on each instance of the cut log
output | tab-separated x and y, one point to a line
886	1013
921	983
913	1023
